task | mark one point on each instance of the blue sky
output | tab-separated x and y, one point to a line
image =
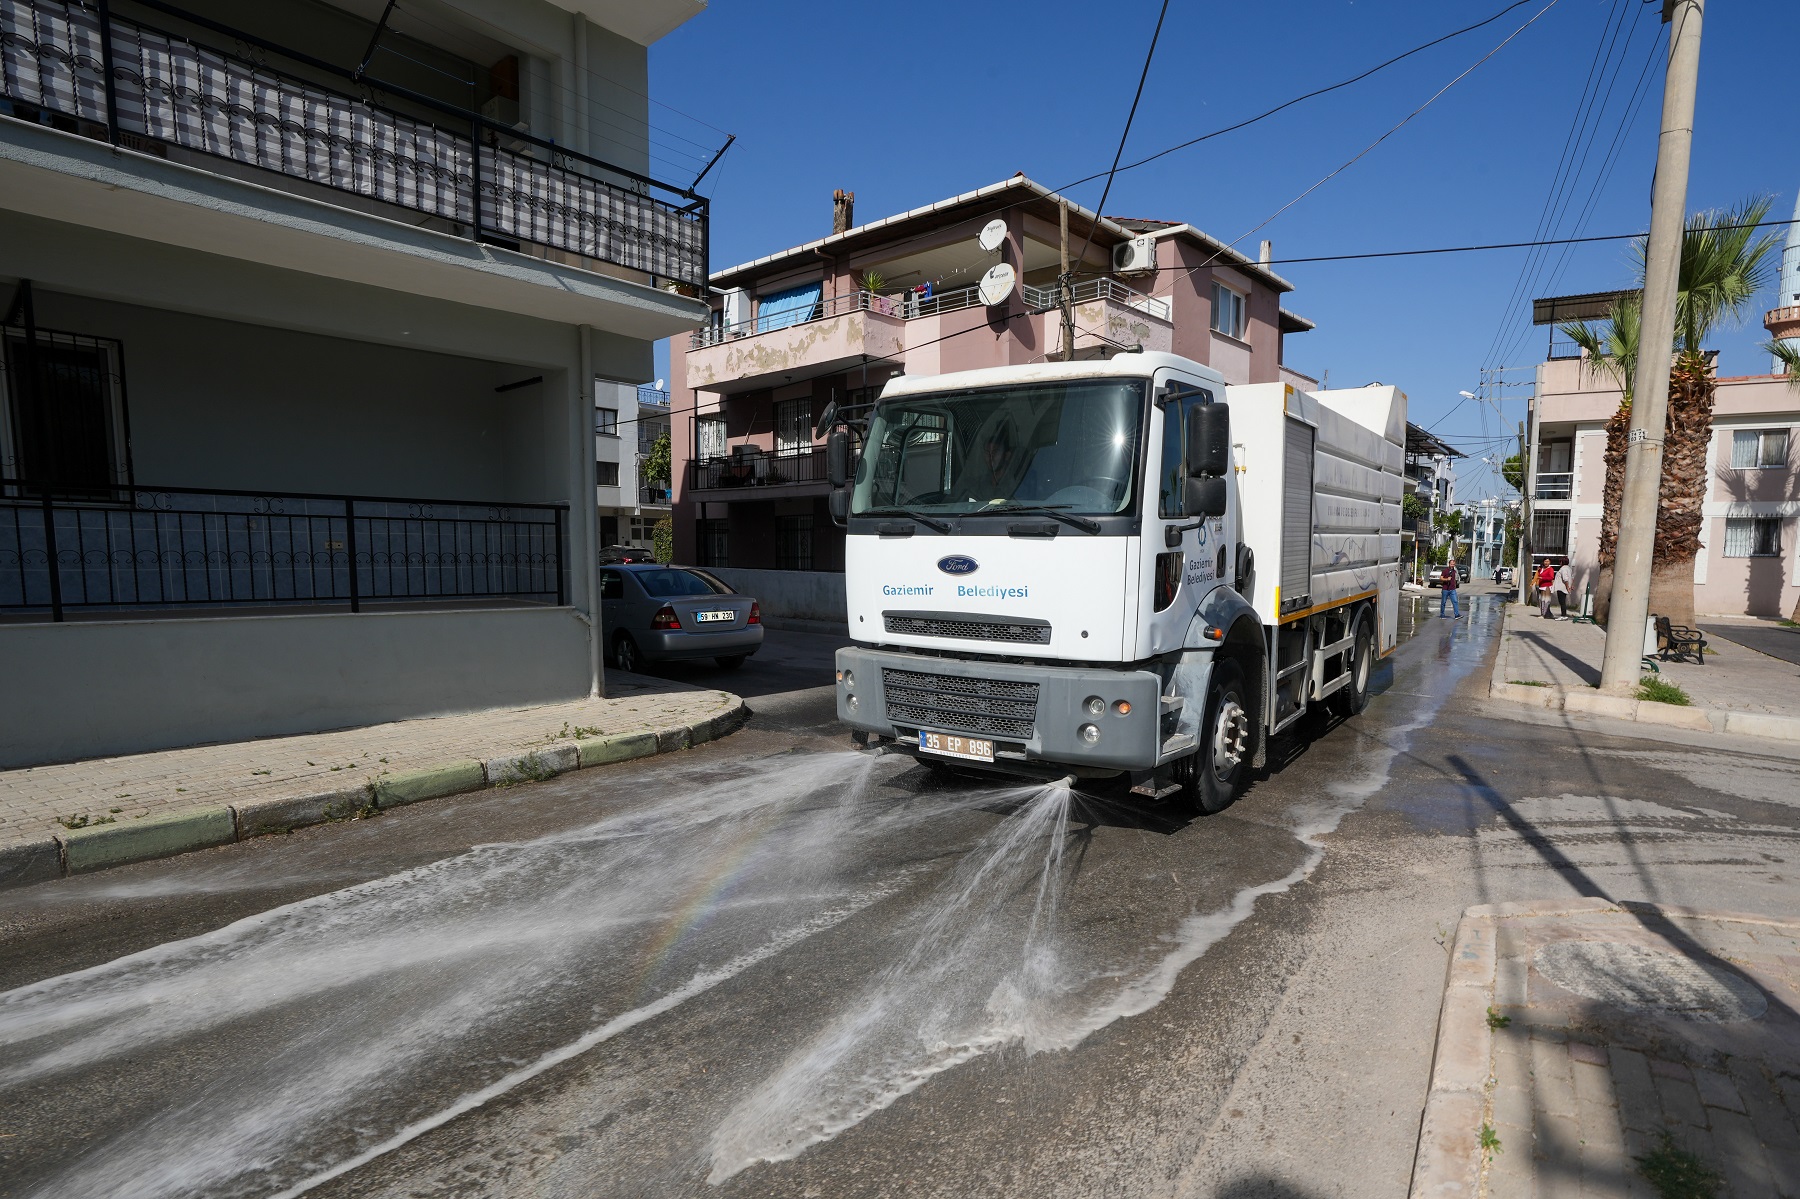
905	103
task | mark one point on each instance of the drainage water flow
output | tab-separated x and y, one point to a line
309	1036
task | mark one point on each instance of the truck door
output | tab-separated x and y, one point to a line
1175	580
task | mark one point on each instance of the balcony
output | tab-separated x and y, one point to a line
750	469
1558	485
111	551
161	94
1107	315
653	497
837	333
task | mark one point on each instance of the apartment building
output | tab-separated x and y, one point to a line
628	421
1748	563
832	320
304	304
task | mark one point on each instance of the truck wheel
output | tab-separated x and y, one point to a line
1352	699
1215	771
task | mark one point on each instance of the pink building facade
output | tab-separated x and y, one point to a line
834	319
1750	560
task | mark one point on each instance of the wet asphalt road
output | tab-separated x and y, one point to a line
793	971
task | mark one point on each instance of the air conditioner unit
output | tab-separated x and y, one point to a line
1135	257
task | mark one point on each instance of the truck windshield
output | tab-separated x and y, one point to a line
1072	446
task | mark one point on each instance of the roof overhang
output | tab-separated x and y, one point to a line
1592	306
643	21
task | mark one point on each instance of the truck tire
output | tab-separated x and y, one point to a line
1214	773
1352	699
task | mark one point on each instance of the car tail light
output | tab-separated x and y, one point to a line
665	618
755	613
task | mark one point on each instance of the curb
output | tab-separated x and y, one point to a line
1698	719
1449	1158
80	851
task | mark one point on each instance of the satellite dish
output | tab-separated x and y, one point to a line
659	385
997	284
992	234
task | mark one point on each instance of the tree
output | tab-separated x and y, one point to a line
662	540
1413	509
1725	262
1509	548
1513	471
657	464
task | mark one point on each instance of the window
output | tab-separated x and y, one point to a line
709	440
606	474
64	413
606	420
1172	482
712	547
1753	448
1550	532
1227	311
612	585
643	530
1753	537
793	426
793	545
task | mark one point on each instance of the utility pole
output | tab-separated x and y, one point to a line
1525	484
1065	289
1621	668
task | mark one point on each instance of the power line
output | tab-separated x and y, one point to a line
1124	133
1310	95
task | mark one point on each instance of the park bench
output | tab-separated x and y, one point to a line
1676	643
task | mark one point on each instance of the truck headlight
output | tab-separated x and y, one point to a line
851	703
1094	705
848	679
1089	733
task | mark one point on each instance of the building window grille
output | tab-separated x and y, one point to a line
606	474
793	426
1753	537
794	544
606	421
1550	532
712	547
710	438
1227	311
1755	448
62	413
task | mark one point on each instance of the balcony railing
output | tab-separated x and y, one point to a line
172	550
1042	299
656	497
150	90
1559	485
757	469
904	305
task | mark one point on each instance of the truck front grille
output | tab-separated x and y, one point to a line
1018	632
994	707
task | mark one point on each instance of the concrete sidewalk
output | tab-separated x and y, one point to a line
79	816
1556	664
1585	1048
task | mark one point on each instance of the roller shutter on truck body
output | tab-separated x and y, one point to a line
1296	515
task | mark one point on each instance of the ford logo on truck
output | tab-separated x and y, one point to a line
958	564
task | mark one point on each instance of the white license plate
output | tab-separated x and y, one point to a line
709	617
976	749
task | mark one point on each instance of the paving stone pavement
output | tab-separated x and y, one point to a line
1616	1031
35	802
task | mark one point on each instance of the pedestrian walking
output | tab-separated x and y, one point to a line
1559	587
1448	591
1546	575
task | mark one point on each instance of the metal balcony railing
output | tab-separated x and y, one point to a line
905	305
1042	299
757	468
169	550
653	496
154	91
1559	485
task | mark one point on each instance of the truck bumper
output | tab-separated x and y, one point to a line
1035	715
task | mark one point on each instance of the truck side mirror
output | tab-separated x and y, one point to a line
1203	497
838	502
1208	448
838	458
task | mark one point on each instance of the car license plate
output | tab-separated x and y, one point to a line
977	749
709	617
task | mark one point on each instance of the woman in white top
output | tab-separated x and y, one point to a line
1559	587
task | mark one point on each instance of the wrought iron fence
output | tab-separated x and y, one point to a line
758	469
61	62
171	549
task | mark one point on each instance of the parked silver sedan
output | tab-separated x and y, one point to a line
657	613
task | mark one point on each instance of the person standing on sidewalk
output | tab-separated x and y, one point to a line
1559	587
1546	575
1448	591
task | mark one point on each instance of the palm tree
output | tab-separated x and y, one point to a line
1612	351
1725	262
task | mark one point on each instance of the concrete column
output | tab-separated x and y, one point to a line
584	541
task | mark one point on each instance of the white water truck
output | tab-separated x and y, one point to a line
1113	567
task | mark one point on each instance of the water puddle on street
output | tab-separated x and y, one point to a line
291	1047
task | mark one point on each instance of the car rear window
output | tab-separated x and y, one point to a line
665	584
